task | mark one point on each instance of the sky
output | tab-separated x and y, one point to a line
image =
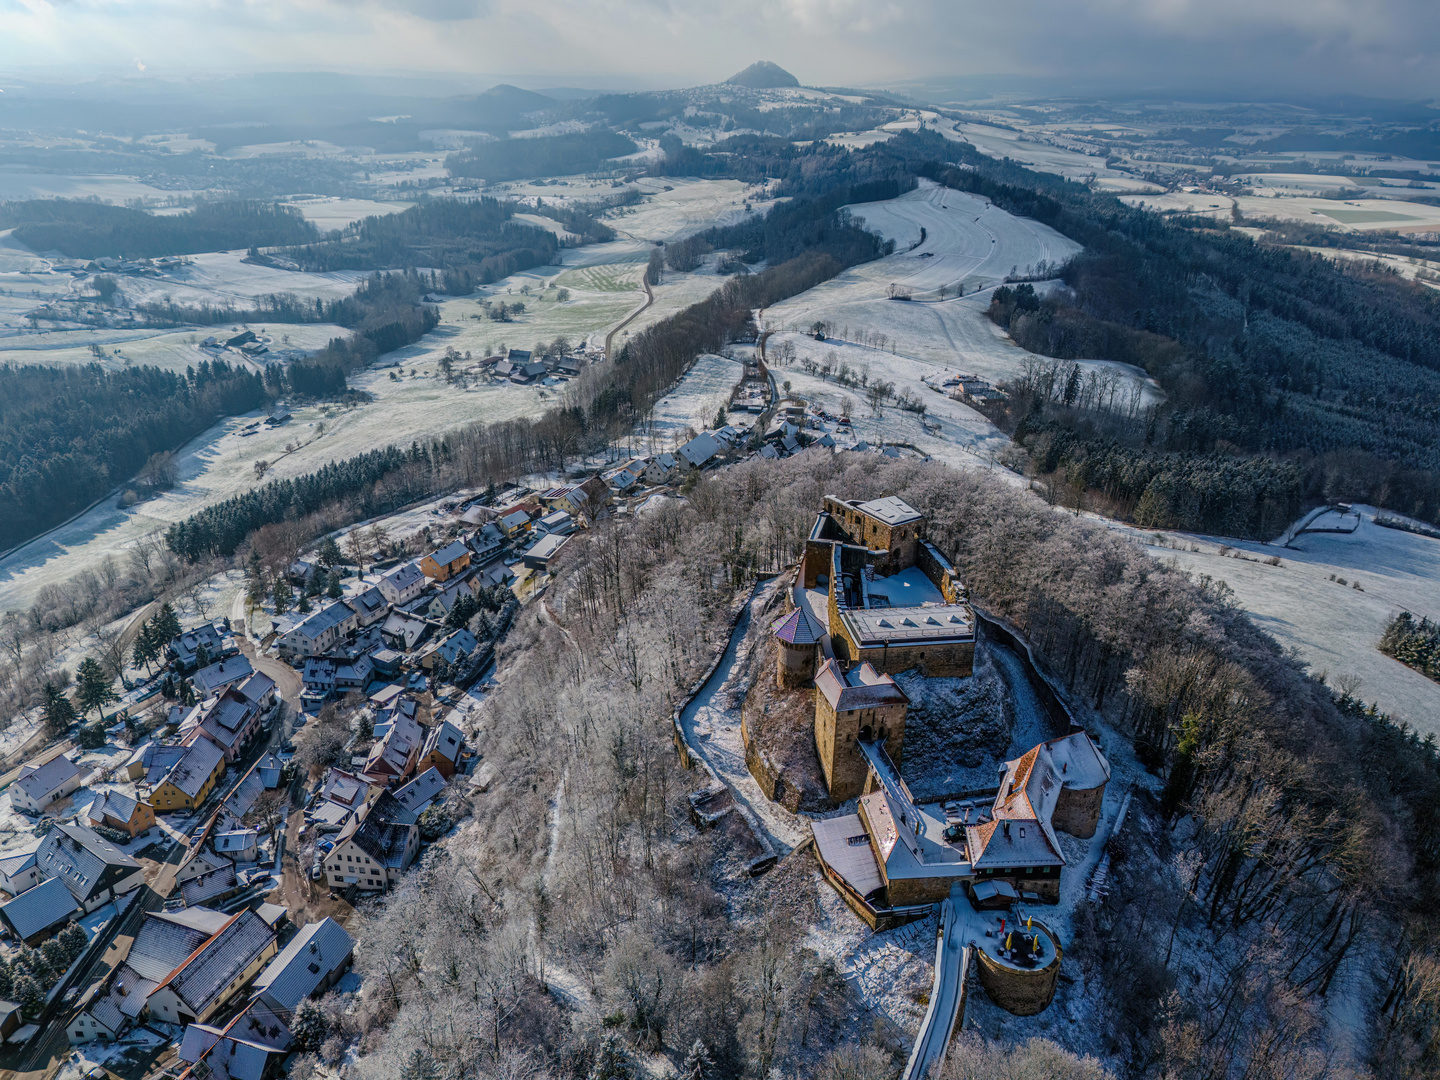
1387	48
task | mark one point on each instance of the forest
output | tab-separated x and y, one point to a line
474	242
556	155
69	434
576	923
92	230
1415	643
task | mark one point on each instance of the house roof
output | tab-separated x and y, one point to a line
221	673
421	792
256	686
21	861
384	832
86	862
36	910
514	519
165	940
235	840
345	788
404	576
448	554
700	449
190	773
117	805
446	740
547	547
39	782
205	976
305	963
860	688
331	615
209	885
368	601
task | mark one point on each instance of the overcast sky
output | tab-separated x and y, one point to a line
1385	47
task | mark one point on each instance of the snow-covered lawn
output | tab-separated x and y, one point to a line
675	207
1333	627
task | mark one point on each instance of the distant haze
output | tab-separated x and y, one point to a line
1231	47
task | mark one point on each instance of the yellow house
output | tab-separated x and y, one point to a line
116	811
187	782
444	564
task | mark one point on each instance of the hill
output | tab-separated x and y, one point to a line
763	75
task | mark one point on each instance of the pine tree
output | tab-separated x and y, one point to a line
330	553
59	713
147	649
92	686
699	1065
7	982
334	591
282	595
310	1026
420	1066
304	605
167	623
612	1062
74	940
29	995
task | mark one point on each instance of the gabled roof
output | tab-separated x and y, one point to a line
164	940
209	885
329	616
36	910
446	740
189	774
86	862
201	980
448	554
119	806
256	686
384	832
404	576
18	863
860	688
700	449
304	964
221	673
421	792
38	782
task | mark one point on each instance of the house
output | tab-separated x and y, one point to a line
115	810
700	450
442	749
370	606
541	554
237	845
626	476
353	674
242	338
208	642
374	850
187	782
209	681
402	584
231	722
318	676
270	768
218	884
278	416
199	862
393	758
502	369
559	522
18	873
514	522
404	631
486	542
37	913
421	792
386	663
445	563
319	633
40	785
441	604
309	965
454	648
662	469
164	941
497	573
343	795
94	870
518	356
260	689
215	1053
211	976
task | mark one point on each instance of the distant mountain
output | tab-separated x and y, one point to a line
763	75
515	98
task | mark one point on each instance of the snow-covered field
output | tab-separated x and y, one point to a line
1351	215
675	207
331	212
693	401
20	183
1333	627
173	350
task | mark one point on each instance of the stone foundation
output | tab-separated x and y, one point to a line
1021	991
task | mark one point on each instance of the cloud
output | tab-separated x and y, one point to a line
1389	47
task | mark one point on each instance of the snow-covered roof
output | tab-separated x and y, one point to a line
211	971
310	957
860	688
210	679
36	910
450	553
421	792
700	449
39	782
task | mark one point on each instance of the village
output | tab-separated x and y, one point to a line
176	876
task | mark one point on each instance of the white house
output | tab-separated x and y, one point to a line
40	785
402	584
321	632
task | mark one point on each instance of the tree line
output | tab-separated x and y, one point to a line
555	155
91	230
68	434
